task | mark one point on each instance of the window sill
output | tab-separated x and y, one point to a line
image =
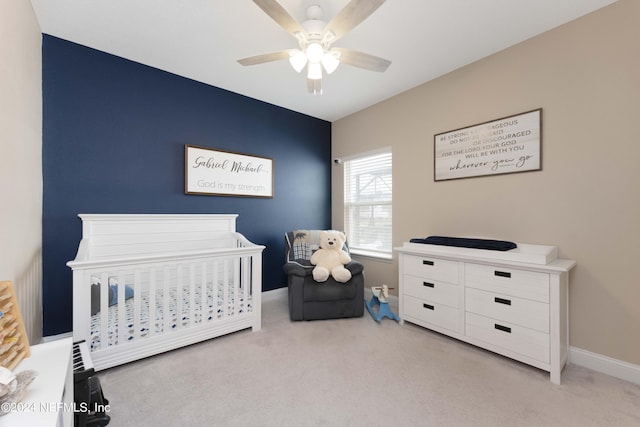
377	256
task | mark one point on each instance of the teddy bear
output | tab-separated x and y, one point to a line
331	258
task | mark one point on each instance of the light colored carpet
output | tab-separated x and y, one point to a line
355	372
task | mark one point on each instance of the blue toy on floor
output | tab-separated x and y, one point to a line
379	298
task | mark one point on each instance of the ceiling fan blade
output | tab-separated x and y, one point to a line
267	57
314	86
280	15
353	13
362	60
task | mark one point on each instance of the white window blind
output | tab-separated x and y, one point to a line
367	204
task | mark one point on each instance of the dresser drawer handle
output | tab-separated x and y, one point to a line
502	328
430	307
502	301
502	273
428	285
427	262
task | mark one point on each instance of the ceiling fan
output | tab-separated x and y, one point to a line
315	38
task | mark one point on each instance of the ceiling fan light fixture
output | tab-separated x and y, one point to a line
314	71
314	87
298	60
314	52
330	62
315	38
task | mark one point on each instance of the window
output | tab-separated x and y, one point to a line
367	204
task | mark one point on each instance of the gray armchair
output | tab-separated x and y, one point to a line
311	300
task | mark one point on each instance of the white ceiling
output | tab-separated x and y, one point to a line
202	39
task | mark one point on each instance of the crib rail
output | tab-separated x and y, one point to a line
88	256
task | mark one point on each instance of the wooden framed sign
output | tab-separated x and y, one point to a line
507	145
226	173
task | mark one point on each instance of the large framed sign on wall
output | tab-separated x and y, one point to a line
226	173
506	145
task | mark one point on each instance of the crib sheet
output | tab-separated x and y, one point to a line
179	314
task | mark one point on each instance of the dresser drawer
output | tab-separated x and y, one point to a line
517	339
431	268
432	290
432	312
519	311
520	283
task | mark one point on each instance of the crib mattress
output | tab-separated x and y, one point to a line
210	308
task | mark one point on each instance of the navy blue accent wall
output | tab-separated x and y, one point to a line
113	142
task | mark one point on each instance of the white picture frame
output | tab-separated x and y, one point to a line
210	171
507	145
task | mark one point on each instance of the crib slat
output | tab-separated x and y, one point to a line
242	297
204	289
182	305
214	290
192	291
151	325
137	296
225	286
179	302
104	310
236	286
249	276
121	310
246	282
166	318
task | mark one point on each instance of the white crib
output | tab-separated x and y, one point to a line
146	284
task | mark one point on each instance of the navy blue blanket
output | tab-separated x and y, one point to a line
463	242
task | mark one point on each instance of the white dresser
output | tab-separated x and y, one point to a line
514	303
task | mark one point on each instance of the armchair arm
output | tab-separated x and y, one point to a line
354	267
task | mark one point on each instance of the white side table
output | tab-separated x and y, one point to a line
48	400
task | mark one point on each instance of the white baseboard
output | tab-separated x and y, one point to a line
280	293
606	365
50	338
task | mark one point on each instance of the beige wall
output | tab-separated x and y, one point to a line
21	158
586	200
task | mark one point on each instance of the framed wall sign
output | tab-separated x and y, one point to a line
507	145
226	173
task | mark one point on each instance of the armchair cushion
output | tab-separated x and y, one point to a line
296	269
